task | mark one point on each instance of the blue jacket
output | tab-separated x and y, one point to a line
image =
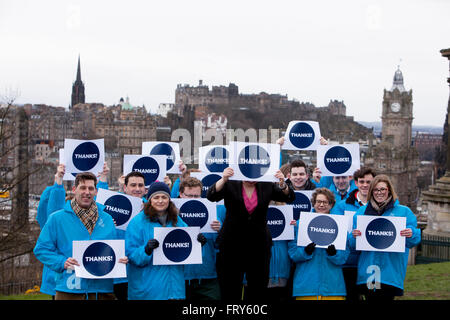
42	214
52	199
338	196
175	192
317	274
145	280
48	282
327	182
207	269
392	264
54	246
350	204
280	263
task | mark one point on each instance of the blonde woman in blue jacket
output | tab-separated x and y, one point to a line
318	271
383	201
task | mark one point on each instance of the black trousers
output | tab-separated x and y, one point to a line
230	273
121	291
350	276
384	293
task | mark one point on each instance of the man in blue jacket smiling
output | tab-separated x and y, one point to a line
81	219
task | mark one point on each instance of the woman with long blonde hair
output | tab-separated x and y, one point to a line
383	201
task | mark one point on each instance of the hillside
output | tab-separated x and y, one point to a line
429	129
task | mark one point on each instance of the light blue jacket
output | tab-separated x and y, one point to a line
145	280
207	269
48	281
337	195
317	274
280	263
327	182
54	246
42	214
120	233
340	208
56	202
392	264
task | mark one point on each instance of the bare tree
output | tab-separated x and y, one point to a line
17	235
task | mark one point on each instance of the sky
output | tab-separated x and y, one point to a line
311	51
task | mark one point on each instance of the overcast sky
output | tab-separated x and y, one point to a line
312	51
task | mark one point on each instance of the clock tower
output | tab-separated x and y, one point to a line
397	114
395	155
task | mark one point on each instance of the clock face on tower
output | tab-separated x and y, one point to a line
395	107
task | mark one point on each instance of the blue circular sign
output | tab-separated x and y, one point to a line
380	233
254	161
302	135
338	160
99	259
85	156
208	181
148	167
120	209
194	213
217	159
165	150
322	230
177	245
301	203
276	222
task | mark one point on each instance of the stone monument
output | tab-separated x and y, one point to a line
436	200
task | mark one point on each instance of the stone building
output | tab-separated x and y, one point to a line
124	128
427	144
436	200
337	108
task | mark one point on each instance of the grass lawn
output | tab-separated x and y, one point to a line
32	296
427	282
423	282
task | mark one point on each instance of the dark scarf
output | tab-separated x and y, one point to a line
377	209
88	216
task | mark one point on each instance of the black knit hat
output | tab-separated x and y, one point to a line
156	188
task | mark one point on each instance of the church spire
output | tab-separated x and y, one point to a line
78	88
78	71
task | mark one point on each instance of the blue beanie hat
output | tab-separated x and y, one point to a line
156	188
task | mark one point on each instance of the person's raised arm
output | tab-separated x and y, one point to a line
227	173
282	185
60	171
216	191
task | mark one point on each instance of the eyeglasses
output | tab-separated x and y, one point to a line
191	195
381	190
322	203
